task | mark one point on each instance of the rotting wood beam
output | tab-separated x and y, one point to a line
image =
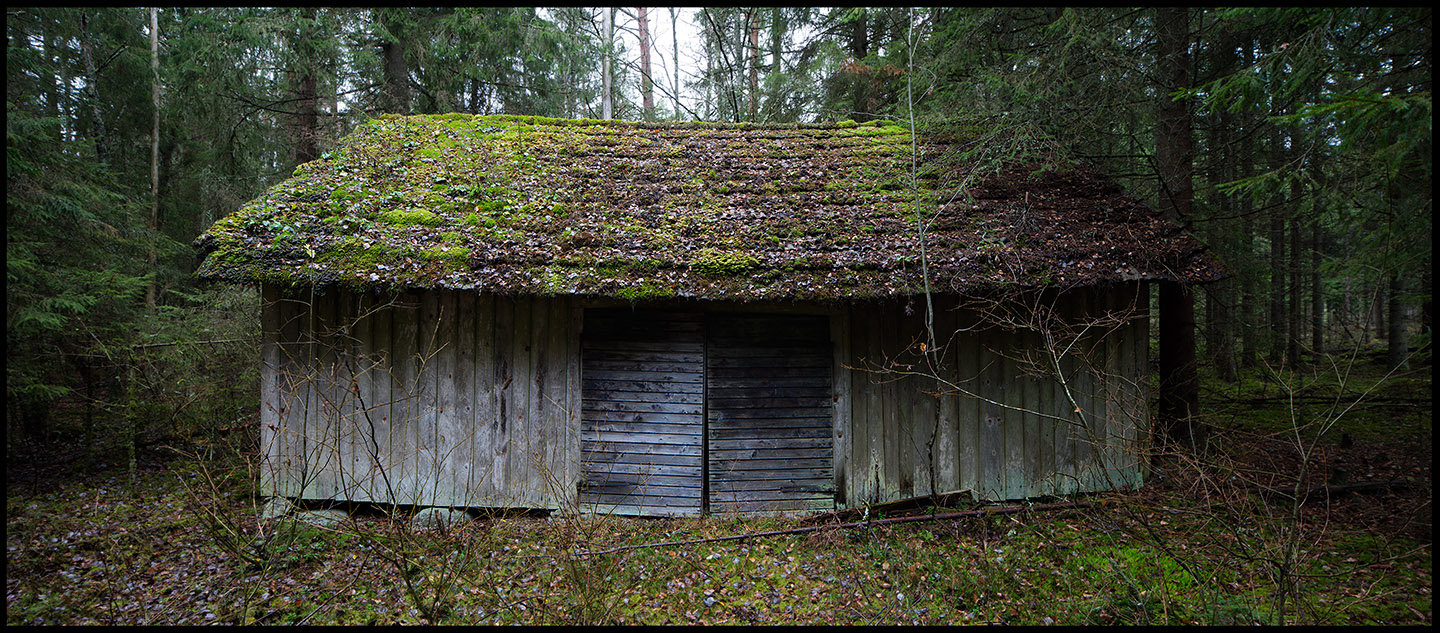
909	503
1330	490
857	524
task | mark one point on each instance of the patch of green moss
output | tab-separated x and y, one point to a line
715	264
352	255
347	223
492	206
454	259
410	218
646	290
479	219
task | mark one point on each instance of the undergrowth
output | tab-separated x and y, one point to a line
183	544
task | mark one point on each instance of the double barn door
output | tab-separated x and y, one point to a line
685	413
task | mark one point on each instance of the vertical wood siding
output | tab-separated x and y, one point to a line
459	399
435	399
909	436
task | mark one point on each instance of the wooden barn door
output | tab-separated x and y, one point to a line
642	412
769	401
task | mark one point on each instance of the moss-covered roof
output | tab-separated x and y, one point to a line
526	205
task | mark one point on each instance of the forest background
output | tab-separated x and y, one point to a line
1296	143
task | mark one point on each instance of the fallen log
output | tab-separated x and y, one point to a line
943	500
857	524
1360	400
1332	490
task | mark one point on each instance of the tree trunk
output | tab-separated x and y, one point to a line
1220	296
647	93
1377	309
1179	382
859	50
1297	257
1248	314
675	60
1317	288
607	105
53	82
777	40
1395	338
92	91
307	99
396	70
754	55
1277	268
1425	305
1179	386
712	97
152	256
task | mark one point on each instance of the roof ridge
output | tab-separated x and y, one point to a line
626	123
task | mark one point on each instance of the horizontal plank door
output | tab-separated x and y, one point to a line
642	412
769	407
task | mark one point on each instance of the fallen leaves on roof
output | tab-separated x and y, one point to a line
527	205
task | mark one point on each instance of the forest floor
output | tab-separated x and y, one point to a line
1212	542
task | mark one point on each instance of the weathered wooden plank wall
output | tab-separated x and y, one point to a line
643	412
457	399
434	399
292	404
904	440
273	472
769	406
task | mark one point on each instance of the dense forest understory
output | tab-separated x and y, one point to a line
1295	143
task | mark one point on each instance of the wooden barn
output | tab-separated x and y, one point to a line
680	319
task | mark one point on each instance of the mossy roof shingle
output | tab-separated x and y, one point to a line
525	205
